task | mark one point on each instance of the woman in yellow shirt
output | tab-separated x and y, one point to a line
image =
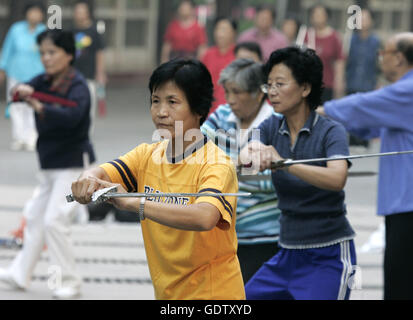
190	242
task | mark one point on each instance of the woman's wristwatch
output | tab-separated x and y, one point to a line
142	208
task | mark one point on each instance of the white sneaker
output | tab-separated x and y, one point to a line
16	146
376	242
66	293
7	279
30	147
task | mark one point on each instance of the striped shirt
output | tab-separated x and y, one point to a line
257	215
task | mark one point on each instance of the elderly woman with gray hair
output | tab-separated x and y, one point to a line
231	126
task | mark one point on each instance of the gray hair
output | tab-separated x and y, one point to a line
245	73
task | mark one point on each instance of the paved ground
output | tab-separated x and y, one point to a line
110	255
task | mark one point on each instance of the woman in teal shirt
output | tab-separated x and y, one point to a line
20	62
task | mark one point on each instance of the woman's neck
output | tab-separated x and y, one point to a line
223	49
59	76
323	31
186	21
364	33
179	145
264	32
297	118
246	122
32	27
84	24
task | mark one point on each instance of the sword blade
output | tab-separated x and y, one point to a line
289	162
109	195
177	194
247	178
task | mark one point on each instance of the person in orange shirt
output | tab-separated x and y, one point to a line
190	243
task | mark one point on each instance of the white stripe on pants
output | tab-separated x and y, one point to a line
48	218
23	126
345	258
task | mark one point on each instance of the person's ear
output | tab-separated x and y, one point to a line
306	90
70	58
198	117
400	59
260	95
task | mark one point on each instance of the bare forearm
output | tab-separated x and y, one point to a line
95	172
195	217
321	177
89	182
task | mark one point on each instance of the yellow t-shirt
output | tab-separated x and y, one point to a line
186	264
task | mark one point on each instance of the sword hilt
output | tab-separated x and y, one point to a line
280	164
97	197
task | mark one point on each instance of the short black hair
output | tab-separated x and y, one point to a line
250	46
294	17
405	46
191	2
34	4
305	66
233	23
192	77
85	2
267	7
320	5
61	38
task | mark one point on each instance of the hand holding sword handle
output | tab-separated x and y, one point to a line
98	196
274	165
280	164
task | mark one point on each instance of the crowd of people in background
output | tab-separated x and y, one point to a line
344	72
185	38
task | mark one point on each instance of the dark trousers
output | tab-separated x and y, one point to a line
252	256
398	257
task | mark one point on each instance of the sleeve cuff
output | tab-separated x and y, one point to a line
223	207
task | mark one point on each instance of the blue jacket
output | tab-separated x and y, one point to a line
64	131
386	113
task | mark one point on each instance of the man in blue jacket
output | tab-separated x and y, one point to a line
388	113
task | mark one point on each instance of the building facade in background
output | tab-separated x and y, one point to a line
133	29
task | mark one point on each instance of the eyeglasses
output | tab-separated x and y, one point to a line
266	88
382	52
